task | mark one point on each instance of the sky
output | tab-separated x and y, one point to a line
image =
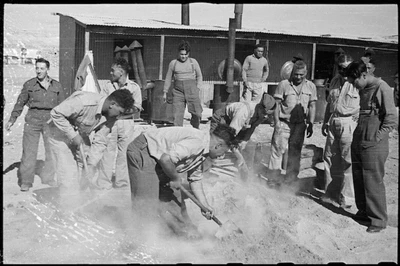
354	20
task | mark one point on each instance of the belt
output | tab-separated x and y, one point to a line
185	80
368	112
38	108
340	115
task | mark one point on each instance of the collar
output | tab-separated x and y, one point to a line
256	57
100	106
47	78
102	119
116	84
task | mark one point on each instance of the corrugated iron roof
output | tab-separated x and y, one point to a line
157	24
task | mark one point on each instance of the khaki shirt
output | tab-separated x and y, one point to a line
344	101
34	95
291	95
240	114
183	144
130	85
80	113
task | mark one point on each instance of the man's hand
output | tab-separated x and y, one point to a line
242	145
76	141
209	213
165	97
355	117
9	125
175	184
324	129
309	129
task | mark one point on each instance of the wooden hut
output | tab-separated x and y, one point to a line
159	40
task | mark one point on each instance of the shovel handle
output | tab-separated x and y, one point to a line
198	203
83	156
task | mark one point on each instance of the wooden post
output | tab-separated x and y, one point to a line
87	39
162	44
314	52
185	14
238	15
231	55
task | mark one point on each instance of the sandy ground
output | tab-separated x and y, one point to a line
277	225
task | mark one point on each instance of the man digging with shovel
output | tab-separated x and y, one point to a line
244	117
72	122
158	161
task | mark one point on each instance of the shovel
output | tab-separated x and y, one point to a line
225	229
83	183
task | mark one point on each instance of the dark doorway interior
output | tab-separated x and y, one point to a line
324	63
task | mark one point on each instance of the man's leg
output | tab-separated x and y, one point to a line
30	144
125	130
65	165
48	171
296	140
279	143
327	157
194	103
143	179
333	162
345	143
107	161
257	91
178	101
358	178
373	167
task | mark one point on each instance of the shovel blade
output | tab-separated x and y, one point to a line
227	229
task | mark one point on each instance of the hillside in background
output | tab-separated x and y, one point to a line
30	28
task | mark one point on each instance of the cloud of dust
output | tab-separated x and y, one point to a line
141	228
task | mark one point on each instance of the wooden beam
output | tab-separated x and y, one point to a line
314	52
162	44
87	39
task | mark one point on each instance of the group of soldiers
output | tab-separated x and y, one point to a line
88	136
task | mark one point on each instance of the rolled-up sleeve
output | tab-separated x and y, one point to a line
313	89
279	91
196	174
71	107
137	97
